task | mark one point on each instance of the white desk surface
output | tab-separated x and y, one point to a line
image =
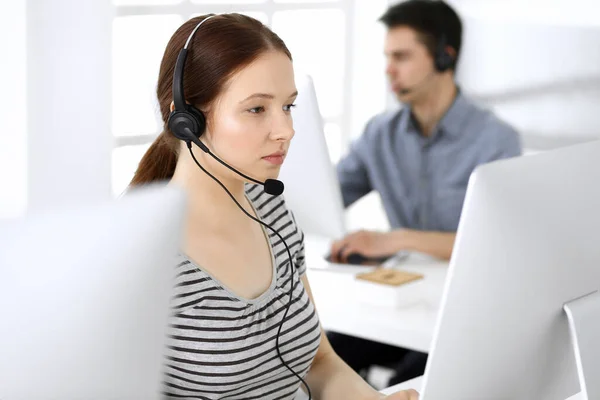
417	384
405	316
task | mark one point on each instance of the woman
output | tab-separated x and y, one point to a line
226	338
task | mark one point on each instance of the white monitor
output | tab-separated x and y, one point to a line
84	299
312	189
528	243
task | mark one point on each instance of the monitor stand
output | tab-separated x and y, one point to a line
584	322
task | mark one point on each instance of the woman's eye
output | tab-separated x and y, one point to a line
257	110
288	107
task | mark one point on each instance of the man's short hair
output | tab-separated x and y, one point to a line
433	20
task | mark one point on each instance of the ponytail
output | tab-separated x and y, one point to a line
158	164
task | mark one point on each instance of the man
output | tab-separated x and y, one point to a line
418	158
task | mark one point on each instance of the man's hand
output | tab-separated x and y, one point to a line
366	243
378	244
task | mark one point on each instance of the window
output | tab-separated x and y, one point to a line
321	35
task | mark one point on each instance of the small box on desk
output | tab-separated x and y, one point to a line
388	287
391	277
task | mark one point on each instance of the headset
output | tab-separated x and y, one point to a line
442	59
188	123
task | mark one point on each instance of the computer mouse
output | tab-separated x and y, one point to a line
358	259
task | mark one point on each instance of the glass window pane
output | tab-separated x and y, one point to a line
261	16
144	2
318	51
125	161
333	137
138	46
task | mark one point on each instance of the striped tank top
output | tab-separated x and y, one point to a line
222	346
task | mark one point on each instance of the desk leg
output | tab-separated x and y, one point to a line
584	322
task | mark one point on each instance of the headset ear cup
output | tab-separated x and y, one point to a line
444	61
200	120
179	121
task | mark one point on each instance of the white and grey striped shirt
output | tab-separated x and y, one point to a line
222	346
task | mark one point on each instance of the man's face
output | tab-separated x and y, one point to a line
408	63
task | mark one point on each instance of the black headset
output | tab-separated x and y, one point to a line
186	122
443	60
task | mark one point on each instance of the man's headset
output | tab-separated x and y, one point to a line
188	123
442	59
442	62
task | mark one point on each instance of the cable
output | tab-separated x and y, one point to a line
189	145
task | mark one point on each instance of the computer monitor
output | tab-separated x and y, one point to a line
528	243
84	298
312	190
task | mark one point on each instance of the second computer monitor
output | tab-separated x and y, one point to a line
527	244
312	190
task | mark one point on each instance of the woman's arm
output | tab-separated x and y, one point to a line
330	378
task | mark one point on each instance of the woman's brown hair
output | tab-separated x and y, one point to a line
221	47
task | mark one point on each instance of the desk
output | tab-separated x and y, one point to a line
342	306
338	299
417	384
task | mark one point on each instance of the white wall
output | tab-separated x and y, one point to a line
68	101
537	64
13	141
368	64
55	137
